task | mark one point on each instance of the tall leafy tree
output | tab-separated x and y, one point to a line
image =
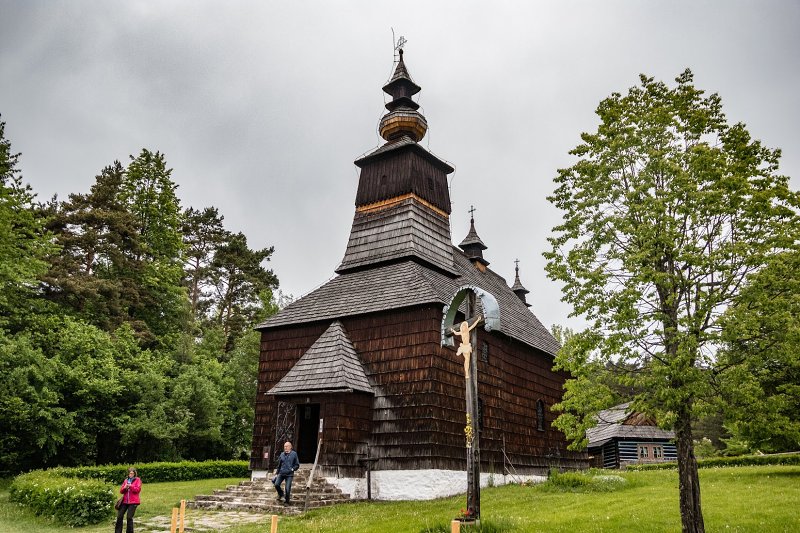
242	286
121	258
97	270
149	194
34	422
759	367
203	234
24	242
666	212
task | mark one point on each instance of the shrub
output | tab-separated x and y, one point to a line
742	460
81	495
70	501
160	472
591	481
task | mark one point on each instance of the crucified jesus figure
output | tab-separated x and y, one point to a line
465	348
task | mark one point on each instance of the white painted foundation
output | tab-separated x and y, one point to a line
415	484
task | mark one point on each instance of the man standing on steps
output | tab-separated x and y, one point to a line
287	464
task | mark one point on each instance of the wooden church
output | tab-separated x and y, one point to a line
360	362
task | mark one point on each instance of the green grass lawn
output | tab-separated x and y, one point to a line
741	499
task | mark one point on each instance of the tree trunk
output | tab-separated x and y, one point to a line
688	478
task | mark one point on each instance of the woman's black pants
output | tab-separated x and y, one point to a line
130	508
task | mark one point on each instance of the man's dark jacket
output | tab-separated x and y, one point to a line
288	463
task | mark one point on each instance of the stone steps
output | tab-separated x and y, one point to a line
258	495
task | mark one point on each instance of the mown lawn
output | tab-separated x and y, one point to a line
740	499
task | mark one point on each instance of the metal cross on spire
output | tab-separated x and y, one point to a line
516	264
400	43
472	212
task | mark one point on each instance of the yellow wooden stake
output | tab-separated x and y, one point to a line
183	515
455	526
274	528
174	525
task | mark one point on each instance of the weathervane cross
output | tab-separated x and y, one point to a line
472	211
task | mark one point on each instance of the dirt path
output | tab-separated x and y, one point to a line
202	521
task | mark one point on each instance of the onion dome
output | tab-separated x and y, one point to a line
403	119
472	244
517	288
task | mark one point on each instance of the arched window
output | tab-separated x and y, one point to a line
540	415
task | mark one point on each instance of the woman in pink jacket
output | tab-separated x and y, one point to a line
130	500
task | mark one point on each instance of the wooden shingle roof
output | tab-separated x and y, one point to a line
330	365
614	423
407	229
403	143
407	284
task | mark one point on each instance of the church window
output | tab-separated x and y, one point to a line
540	415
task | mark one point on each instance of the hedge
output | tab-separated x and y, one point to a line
83	495
160	472
716	462
71	501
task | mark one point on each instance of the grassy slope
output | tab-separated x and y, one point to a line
743	499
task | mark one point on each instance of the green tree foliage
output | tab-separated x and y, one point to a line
666	212
148	192
96	272
241	371
591	385
203	234
240	285
759	368
34	423
121	256
24	243
99	360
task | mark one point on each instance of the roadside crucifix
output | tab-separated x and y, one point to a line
490	319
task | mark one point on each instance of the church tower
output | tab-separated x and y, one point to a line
402	203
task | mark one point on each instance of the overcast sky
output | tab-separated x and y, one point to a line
261	107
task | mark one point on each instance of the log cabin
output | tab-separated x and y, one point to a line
360	362
623	436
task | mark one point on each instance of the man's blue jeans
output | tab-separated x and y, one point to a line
278	480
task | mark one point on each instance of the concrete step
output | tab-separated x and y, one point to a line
259	495
263	499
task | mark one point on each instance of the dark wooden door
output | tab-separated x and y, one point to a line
308	427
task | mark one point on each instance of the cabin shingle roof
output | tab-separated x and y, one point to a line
408	283
330	364
611	424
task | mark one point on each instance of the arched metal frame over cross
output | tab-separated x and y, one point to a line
491	311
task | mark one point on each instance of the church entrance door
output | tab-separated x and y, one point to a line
308	428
